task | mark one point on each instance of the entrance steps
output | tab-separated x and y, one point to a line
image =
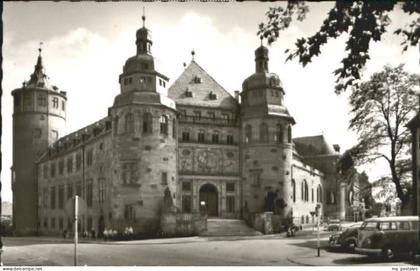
228	227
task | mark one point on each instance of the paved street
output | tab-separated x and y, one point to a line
225	251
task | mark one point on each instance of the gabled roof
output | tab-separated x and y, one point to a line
200	84
313	145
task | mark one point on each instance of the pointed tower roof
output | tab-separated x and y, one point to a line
196	87
39	79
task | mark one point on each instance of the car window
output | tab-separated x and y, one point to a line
369	226
415	225
384	226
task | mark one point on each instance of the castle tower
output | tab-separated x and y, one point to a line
39	119
144	141
266	142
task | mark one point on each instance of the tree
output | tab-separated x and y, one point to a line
380	110
364	21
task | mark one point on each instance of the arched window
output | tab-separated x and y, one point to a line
163	121
263	132
129	123
319	193
289	134
302	220
312	194
200	136
279	134
294	190
147	123
215	137
248	133
306	191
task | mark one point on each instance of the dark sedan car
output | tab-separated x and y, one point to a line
347	239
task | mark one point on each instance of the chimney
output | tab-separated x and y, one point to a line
336	148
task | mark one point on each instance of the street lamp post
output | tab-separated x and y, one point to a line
76	207
318	214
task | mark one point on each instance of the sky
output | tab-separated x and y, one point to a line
85	45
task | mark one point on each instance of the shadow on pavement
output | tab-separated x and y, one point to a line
371	260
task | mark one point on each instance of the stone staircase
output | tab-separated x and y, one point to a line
228	227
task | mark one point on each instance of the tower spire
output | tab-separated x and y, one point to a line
143	17
192	54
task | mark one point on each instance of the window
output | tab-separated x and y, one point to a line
230	204
319	194
45	170
305	192
129	173
197	115
256	177
61	167
129	212
164	178
279	134
230	187
201	136
45	223
129	123
294	190
42	100
79	189
186	186
55	102
52	170
52	197
248	133
263	132
163	120
229	139
45	198
61	197
197	80
63	105
212	96
185	136
89	223
69	190
89	193
215	138
147	123
17	100
188	93
101	188
186	204
27	99
70	164
174	128
289	134
78	161
211	115
89	157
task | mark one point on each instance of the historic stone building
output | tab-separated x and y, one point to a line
414	126
232	155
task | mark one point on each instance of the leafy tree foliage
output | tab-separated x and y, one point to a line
364	21
380	110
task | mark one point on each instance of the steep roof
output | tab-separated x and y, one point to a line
313	145
196	81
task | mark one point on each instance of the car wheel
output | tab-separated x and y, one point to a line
350	245
388	254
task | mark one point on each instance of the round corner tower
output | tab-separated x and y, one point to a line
39	119
144	142
266	142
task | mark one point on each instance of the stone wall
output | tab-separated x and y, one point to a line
182	224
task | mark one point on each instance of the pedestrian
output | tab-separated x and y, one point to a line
105	233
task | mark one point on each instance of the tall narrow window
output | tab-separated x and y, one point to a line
147	123
78	161
185	136
248	133
55	102
294	190
263	132
129	123
312	194
174	128
42	100
279	134
289	134
116	124
163	120
201	136
89	193
52	197
186	204
79	188
306	191
215	138
230	204
229	139
61	167
69	190
164	178
61	197
89	158
101	188
52	169
129	212
70	164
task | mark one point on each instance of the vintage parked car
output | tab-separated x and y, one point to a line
334	225
388	236
347	239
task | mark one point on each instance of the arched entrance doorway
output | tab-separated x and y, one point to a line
208	194
101	226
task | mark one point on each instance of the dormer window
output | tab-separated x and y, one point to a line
212	96
197	80
188	93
